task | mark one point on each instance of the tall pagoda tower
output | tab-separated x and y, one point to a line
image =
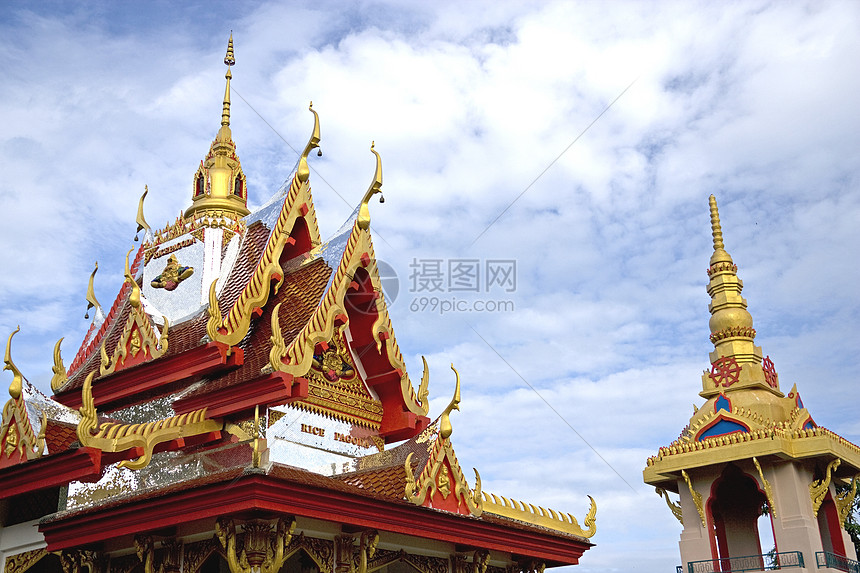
752	458
243	405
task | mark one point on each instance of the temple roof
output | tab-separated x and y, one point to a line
242	346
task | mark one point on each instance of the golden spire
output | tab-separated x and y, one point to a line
91	293
445	427
229	60
17	379
375	187
731	324
141	221
303	170
219	190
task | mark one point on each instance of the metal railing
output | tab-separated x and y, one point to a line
766	562
834	561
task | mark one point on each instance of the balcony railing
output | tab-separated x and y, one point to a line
834	561
768	562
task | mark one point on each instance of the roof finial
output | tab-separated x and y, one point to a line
303	170
134	297
17	378
716	230
445	427
229	60
91	294
375	187
141	221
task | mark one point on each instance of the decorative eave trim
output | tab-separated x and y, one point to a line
253	492
233	327
126	386
114	437
786	444
528	513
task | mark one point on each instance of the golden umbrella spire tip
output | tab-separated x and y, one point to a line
716	230
229	60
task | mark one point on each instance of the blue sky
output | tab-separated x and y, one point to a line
469	103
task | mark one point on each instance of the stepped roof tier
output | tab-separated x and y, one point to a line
248	370
746	414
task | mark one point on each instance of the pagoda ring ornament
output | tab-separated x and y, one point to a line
725	371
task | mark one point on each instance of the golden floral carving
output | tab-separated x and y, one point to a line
321	551
171	554
697	497
264	550
195	554
22	561
675	508
76	560
845	502
366	549
818	488
768	490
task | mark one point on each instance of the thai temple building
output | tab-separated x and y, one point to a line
757	477
242	406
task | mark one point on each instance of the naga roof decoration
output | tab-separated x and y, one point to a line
138	342
232	327
98	332
335	315
115	437
745	414
18	442
441	483
142	225
92	301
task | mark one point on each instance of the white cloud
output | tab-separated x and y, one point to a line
468	104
